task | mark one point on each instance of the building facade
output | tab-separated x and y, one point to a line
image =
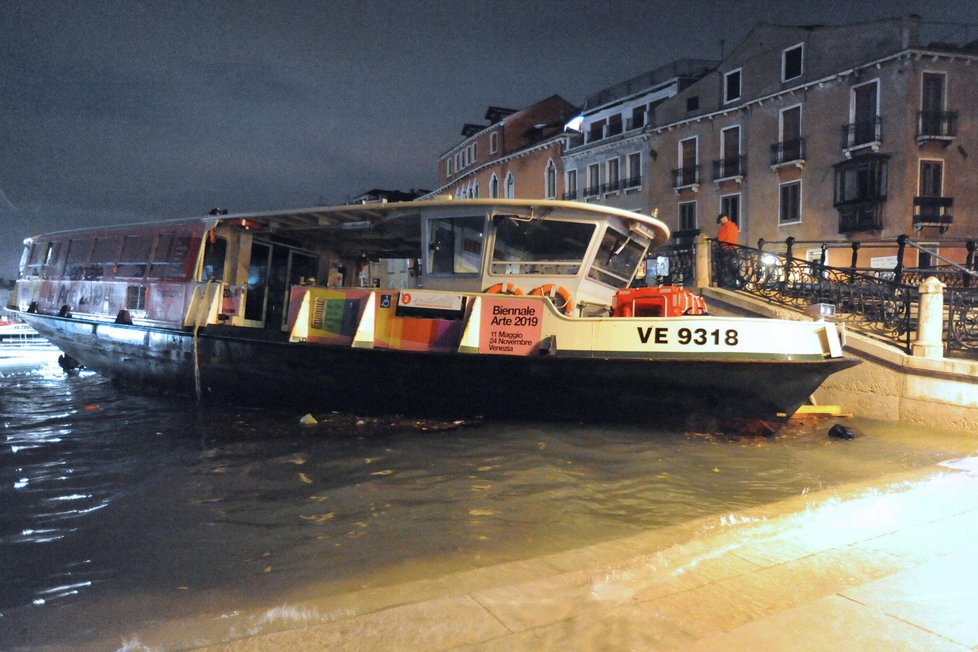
607	150
823	133
517	155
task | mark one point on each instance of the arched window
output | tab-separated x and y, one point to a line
510	186
475	189
550	181
494	186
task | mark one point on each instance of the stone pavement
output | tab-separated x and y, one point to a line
886	565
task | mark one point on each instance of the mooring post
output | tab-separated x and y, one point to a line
930	320
704	253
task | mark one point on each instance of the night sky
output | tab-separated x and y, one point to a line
132	111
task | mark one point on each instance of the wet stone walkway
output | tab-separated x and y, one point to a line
872	566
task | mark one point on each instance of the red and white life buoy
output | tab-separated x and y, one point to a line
558	295
503	288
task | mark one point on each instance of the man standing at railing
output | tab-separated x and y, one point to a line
727	235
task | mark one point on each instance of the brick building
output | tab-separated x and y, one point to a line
518	154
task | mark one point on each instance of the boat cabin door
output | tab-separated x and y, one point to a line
272	272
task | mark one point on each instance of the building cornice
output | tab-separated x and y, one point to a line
468	141
905	55
606	144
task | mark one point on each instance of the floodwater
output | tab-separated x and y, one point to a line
120	511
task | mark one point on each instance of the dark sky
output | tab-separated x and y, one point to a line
132	111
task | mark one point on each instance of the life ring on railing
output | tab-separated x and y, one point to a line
503	288
557	294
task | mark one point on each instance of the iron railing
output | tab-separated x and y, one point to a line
879	302
937	124
863	132
686	176
788	151
728	168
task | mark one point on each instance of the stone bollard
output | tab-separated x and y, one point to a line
704	251
930	320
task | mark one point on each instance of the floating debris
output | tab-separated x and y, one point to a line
339	424
839	431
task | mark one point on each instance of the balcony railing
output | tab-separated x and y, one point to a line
933	211
788	151
865	215
729	168
631	182
687	176
864	132
570	195
611	186
592	191
937	124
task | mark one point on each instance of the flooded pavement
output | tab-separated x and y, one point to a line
118	513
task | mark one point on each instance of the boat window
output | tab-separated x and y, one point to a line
215	251
177	258
79	250
170	257
539	247
617	258
24	257
161	256
135	255
36	256
261	255
455	245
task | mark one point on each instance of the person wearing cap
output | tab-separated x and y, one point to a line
727	236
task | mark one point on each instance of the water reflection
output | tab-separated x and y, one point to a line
116	510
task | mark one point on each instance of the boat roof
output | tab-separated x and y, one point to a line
392	229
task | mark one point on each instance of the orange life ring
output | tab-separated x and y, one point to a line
503	288
557	294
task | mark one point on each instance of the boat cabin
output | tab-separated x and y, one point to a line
255	265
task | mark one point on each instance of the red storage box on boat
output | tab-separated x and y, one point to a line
665	301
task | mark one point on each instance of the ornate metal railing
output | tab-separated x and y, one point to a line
882	302
962	319
682	257
937	124
880	306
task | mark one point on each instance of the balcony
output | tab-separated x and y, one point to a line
866	215
632	182
732	168
865	133
788	152
686	177
611	186
570	195
932	211
937	125
592	191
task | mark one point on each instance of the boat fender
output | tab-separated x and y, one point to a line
124	318
839	431
65	312
503	288
558	294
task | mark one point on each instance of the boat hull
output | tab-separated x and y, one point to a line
688	392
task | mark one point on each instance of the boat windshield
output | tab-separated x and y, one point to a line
617	259
540	246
